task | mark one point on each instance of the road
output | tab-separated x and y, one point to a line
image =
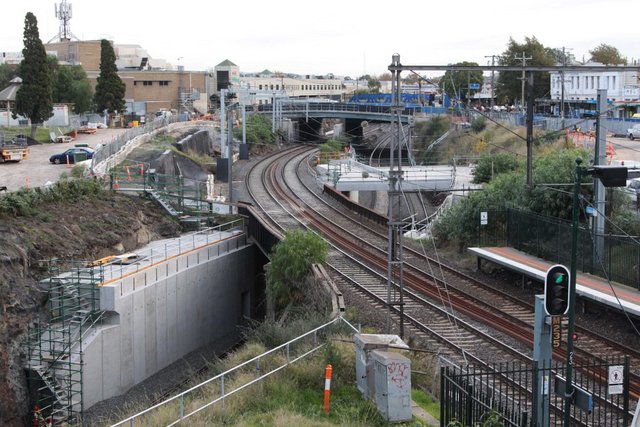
36	170
625	148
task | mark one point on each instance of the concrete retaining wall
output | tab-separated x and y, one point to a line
201	142
166	312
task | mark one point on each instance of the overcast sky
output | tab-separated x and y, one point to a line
344	37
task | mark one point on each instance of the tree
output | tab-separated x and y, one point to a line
258	130
34	99
560	57
554	168
509	85
491	165
7	73
110	89
608	55
71	86
374	85
290	263
456	83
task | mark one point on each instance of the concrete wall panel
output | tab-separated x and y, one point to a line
127	285
167	319
94	374
162	344
161	272
172	319
151	353
127	379
111	362
140	280
108	297
139	332
182	262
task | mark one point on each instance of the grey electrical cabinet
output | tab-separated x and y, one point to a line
365	344
392	373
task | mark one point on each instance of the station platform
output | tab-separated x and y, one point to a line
591	287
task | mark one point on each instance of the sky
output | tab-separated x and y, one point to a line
346	38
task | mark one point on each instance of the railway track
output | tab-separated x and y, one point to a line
438	308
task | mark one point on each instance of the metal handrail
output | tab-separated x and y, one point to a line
225	394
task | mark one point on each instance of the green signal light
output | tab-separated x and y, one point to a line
559	279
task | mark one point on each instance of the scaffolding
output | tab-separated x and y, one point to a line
55	350
187	199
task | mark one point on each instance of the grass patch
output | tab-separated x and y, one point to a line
426	402
292	396
27	202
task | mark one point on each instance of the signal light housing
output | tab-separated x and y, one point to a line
556	290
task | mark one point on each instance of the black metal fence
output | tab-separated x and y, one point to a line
515	394
550	238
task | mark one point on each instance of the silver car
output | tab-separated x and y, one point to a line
633	132
633	188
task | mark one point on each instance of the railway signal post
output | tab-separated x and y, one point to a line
542	357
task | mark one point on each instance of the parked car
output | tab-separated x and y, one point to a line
633	132
633	188
72	155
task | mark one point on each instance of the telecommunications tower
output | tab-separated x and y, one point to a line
63	13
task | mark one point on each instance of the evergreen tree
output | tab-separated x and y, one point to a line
509	86
71	86
7	73
456	83
110	89
34	98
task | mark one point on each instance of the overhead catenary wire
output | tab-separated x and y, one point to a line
601	262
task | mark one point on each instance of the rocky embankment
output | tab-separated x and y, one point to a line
83	230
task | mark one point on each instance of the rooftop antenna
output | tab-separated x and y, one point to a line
64	12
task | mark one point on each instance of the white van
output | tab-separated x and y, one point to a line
163	114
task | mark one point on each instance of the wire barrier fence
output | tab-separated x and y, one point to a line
550	238
192	402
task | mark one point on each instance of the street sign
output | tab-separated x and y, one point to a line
616	379
474	86
484	218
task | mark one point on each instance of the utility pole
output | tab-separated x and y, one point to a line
530	129
524	60
493	90
600	158
395	244
564	64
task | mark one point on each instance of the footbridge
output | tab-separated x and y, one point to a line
351	175
309	115
302	109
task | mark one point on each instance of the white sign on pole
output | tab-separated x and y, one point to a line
616	379
484	218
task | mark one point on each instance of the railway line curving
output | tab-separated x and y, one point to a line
461	318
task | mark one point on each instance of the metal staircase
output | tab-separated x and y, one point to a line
54	350
186	100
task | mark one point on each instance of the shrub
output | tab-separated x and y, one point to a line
491	165
478	124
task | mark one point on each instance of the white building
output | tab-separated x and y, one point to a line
292	87
581	89
11	58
